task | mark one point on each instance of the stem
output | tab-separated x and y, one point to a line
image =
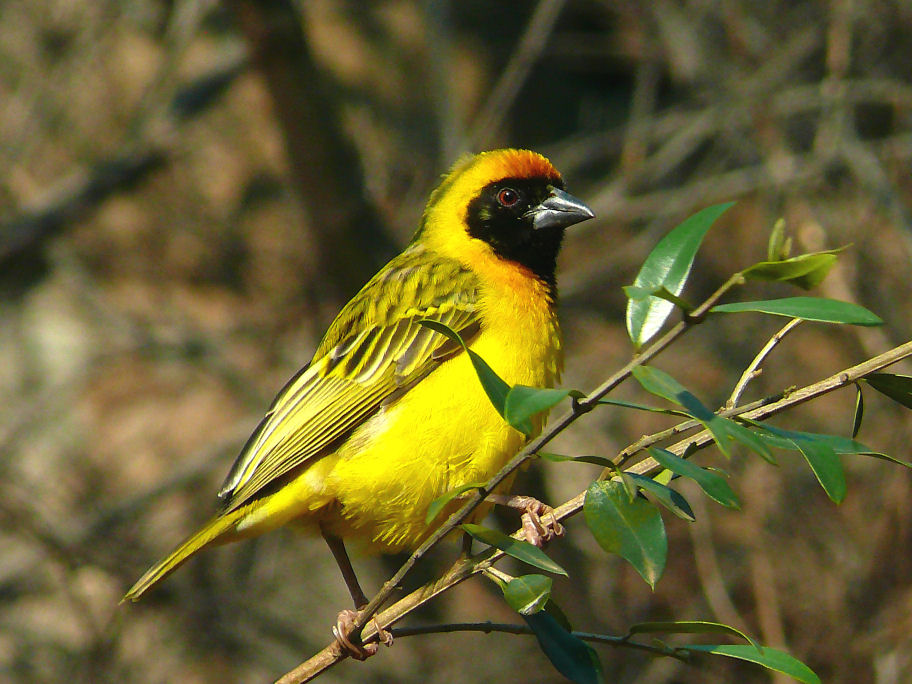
753	370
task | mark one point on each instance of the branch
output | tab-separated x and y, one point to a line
465	568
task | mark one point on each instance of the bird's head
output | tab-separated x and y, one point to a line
506	204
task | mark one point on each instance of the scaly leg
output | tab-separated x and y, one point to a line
345	623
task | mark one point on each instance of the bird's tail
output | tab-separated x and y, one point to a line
206	535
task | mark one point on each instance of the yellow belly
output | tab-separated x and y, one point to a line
443	433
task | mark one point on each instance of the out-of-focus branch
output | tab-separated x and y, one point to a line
348	235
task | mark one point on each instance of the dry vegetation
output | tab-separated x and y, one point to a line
174	237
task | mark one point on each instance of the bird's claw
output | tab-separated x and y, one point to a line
342	630
538	521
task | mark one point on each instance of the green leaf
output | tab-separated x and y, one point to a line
493	385
528	594
632	529
668	497
806	308
663	385
897	387
714	485
440	502
858	414
593	460
667	266
826	466
806	270
780	245
770	658
634	292
690	627
523	402
642	407
724	431
520	550
570	655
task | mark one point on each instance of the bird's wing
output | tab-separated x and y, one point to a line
374	350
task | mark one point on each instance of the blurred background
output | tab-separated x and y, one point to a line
190	189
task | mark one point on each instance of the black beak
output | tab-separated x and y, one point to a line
559	210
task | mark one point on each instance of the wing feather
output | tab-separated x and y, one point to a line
375	350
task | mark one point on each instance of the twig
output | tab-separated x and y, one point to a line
516	72
488	627
753	369
465	568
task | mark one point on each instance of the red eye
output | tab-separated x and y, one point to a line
507	197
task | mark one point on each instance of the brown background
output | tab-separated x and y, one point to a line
189	190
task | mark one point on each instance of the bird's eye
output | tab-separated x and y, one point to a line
507	197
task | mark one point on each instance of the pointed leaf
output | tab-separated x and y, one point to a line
779	245
805	271
632	529
690	627
826	466
571	656
528	594
714	485
897	387
593	460
440	502
858	414
668	497
724	431
662	384
667	266
770	658
493	385
520	550
642	407
806	308
523	402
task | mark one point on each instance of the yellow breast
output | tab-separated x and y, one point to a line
444	432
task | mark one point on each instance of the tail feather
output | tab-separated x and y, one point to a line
209	533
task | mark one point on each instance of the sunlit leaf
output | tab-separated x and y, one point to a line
805	271
528	594
770	658
523	402
672	500
690	627
520	550
806	308
593	460
826	466
632	529
724	431
667	266
493	385
715	485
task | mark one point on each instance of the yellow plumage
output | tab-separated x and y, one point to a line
390	415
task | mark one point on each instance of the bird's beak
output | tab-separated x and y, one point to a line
559	210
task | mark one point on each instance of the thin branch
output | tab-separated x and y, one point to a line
488	627
465	568
516	72
753	369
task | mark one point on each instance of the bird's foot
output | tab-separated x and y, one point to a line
538	521
345	625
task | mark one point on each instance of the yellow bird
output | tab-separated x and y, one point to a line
389	415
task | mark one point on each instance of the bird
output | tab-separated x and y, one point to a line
389	414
